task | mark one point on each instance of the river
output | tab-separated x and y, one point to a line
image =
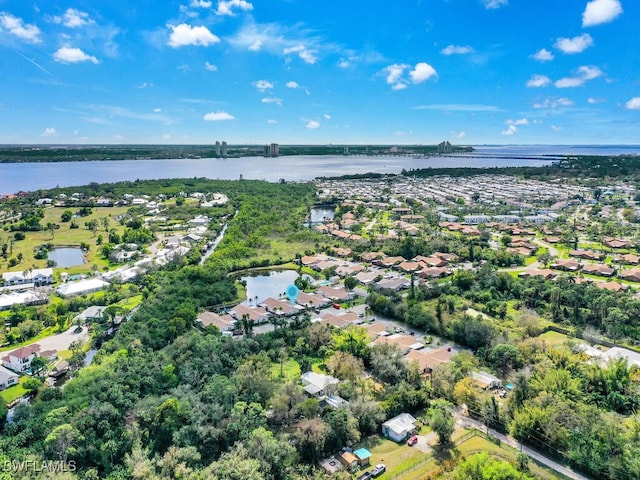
33	176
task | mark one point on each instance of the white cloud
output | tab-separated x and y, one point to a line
492	4
633	104
582	75
459	107
327	116
457	50
395	74
537	81
458	134
263	85
312	124
575	44
157	110
271	121
49	132
227	7
276	100
594	101
185	34
200	4
422	72
511	130
543	55
144	85
210	66
555	128
73	55
17	27
522	121
553	103
292	84
218	116
601	11
302	51
344	63
73	18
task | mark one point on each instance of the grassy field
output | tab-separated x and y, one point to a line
410	463
65	236
13	393
290	370
552	338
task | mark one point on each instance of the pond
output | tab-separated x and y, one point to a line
66	256
262	285
319	214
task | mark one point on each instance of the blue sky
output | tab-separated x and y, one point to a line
309	71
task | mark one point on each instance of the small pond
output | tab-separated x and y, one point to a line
268	284
319	214
66	256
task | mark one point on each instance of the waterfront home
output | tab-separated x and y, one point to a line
19	360
7	378
255	314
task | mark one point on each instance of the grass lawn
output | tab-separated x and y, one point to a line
46	332
290	370
398	457
439	461
131	302
13	393
553	339
66	236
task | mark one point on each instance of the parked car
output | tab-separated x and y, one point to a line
336	306
365	476
413	439
378	470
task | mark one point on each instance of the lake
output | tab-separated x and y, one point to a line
66	256
33	176
268	284
319	214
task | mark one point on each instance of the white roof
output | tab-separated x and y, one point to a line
319	380
92	312
77	288
6	374
633	358
17	298
401	423
38	272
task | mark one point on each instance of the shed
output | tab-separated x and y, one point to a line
364	457
349	460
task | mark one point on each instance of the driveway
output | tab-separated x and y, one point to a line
59	342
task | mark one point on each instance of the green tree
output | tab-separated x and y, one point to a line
352	339
350	283
441	420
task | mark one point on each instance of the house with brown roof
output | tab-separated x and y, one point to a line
611	286
630	259
569	265
408	267
428	361
632	275
335	294
367	278
312	300
586	254
225	323
404	342
434	272
20	359
342	252
617	242
388	262
601	269
255	314
371	256
447	257
538	272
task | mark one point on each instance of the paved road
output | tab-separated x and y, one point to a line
538	457
59	342
554	252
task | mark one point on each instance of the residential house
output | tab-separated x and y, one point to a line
569	265
225	323
367	278
364	457
312	300
37	277
611	286
81	287
318	384
632	275
538	272
7	378
349	460
388	262
428	361
434	272
405	343
476	219
335	294
396	284
371	256
586	254
256	314
20	359
92	314
399	427
486	381
617	243
601	269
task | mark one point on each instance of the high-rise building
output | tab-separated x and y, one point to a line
217	148
272	150
445	147
223	149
